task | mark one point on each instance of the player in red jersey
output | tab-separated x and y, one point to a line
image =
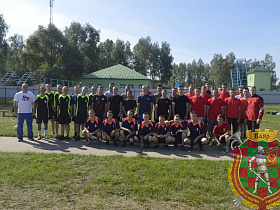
224	94
191	92
243	117
198	105
215	106
255	110
221	132
233	110
204	93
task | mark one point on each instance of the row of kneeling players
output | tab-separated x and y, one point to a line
164	132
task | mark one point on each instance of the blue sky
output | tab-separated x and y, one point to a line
193	28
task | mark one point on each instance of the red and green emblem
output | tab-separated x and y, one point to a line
254	177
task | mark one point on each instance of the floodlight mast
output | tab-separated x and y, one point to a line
51	15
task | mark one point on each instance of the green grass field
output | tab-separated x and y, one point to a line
63	181
67	181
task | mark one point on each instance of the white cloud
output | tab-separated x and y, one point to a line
113	34
25	17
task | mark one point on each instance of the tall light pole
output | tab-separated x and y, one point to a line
51	15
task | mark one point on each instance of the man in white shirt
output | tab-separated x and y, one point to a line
24	110
109	92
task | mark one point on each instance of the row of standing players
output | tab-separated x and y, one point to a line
206	109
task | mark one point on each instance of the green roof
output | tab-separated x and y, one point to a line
115	72
259	69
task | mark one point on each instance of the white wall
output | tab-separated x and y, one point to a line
270	97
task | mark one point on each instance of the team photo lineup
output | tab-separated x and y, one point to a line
202	116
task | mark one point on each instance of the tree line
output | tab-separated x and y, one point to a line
77	50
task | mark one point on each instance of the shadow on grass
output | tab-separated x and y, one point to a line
55	145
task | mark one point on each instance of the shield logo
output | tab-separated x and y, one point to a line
254	177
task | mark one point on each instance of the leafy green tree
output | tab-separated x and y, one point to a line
72	65
166	60
90	48
117	53
207	72
154	64
15	60
251	64
3	45
142	51
220	68
3	30
269	63
121	53
86	38
105	49
128	54
200	74
44	49
179	73
191	75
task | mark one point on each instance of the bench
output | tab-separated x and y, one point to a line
4	111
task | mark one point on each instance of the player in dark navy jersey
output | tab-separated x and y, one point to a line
115	103
163	106
110	129
42	111
145	133
197	132
128	129
145	103
178	131
64	112
129	103
162	133
92	127
81	110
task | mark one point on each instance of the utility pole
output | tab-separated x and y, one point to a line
51	15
